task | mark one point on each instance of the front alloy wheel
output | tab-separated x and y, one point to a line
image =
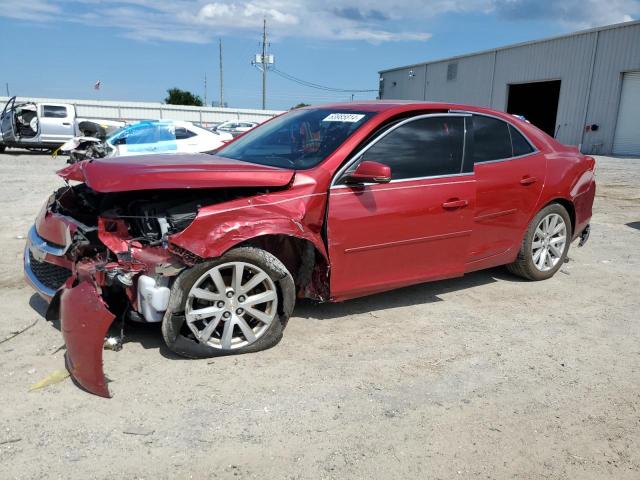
237	303
231	305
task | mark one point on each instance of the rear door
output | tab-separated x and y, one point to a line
510	174
56	123
187	140
413	229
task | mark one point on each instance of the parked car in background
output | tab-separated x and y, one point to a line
328	203
163	136
236	128
42	126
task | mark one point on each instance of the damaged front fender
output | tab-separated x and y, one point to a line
85	320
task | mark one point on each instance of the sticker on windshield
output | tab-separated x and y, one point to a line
344	117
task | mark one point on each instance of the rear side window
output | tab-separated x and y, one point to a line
491	139
519	143
183	133
422	148
53	111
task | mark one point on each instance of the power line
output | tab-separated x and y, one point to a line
317	86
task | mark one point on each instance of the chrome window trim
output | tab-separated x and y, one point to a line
531	144
403	180
358	156
505	159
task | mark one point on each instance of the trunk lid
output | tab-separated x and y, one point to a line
173	171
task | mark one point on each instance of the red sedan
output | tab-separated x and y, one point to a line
328	203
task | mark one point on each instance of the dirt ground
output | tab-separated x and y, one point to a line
484	376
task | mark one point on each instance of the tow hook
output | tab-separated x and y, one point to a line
584	236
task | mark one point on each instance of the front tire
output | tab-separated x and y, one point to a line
238	303
545	244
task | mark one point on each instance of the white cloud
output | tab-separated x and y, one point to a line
38	10
574	14
374	21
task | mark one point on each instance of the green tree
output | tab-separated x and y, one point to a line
175	96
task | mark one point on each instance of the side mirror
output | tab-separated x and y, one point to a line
372	172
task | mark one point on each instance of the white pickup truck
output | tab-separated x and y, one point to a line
43	126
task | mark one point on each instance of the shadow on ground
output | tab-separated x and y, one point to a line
149	336
29	153
635	225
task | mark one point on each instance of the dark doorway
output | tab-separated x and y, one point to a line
537	102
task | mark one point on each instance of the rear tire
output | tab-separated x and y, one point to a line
545	245
211	313
2	148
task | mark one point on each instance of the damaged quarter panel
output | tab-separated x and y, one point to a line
298	212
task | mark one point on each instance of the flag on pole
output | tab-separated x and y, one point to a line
97	85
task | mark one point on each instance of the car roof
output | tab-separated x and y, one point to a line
403	105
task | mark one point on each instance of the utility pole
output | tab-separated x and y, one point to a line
264	63
205	89
7	85
221	76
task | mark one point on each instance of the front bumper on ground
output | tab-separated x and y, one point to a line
83	314
85	321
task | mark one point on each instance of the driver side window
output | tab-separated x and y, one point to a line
427	147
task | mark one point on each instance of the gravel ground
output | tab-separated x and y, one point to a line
484	376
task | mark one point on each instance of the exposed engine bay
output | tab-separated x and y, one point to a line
149	216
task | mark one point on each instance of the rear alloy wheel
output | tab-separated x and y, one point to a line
235	304
545	245
549	239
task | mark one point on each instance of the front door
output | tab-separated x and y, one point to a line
413	229
7	121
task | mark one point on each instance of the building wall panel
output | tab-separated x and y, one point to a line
472	83
618	52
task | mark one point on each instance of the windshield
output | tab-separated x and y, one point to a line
299	139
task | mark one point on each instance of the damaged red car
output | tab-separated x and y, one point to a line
328	203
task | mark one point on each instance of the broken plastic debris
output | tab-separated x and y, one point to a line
113	343
54	377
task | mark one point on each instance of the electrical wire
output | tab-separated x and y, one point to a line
317	86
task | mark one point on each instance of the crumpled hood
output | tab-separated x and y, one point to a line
173	171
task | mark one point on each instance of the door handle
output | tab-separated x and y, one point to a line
66	123
453	203
528	180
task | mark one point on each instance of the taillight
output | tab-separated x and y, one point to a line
591	163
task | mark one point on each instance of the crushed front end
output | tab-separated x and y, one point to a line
100	258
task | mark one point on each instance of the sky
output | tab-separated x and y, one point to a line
140	48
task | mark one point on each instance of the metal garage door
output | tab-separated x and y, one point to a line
627	137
